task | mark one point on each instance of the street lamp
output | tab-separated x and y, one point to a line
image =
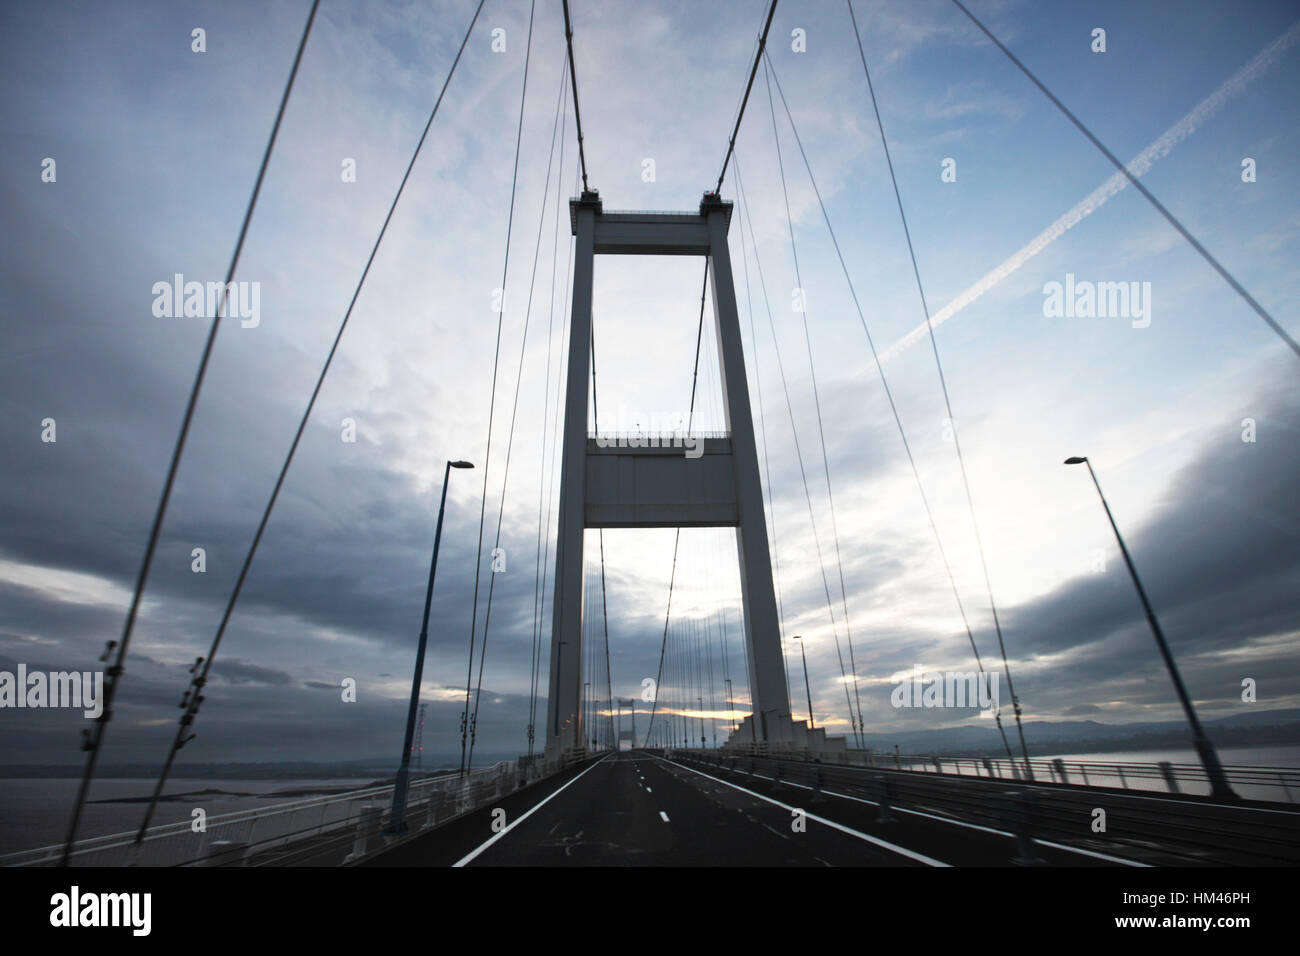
702	740
1209	758
397	821
806	687
586	696
731	705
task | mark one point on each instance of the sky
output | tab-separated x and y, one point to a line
156	148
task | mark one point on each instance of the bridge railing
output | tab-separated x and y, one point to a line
659	438
1138	825
337	829
1273	784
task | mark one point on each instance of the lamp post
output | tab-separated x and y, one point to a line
731	705
1209	758
586	696
702	740
806	687
397	821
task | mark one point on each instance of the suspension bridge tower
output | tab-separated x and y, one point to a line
668	485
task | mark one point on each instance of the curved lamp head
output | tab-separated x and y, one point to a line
1075	460
797	637
462	464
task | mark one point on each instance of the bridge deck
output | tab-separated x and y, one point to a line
636	809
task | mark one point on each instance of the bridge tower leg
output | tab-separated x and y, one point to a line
652	487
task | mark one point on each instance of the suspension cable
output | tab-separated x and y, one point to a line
194	696
767	468
604	607
543	553
889	395
573	82
961	463
604	616
677	538
114	672
821	432
514	415
496	361
749	85
1150	197
794	430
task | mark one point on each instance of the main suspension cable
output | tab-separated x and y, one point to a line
749	85
573	82
114	672
194	697
1136	183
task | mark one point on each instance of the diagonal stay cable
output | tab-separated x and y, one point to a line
473	721
539	571
893	407
961	462
604	606
677	537
1150	197
767	468
794	431
196	695
115	671
731	147
817	404
556	431
523	345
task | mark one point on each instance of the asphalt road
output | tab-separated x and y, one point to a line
643	810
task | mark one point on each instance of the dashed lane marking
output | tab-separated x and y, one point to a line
883	844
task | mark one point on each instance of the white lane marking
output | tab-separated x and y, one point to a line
665	816
962	823
883	844
470	856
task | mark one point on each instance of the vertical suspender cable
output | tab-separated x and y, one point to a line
856	720
889	395
961	464
496	361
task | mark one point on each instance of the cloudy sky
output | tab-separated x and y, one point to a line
156	150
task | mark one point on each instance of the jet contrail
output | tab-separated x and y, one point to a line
1138	166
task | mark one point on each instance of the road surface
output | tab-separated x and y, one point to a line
637	809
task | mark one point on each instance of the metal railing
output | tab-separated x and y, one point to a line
1272	784
334	830
1142	826
663	437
